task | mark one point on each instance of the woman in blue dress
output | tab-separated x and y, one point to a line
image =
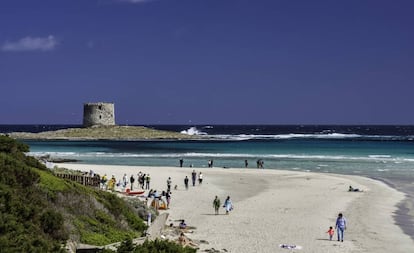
228	205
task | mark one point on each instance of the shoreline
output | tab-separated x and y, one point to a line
275	207
404	215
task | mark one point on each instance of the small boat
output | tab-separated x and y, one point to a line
129	192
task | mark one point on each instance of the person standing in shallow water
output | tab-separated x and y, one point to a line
181	162
216	205
340	227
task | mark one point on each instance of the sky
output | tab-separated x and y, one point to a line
208	61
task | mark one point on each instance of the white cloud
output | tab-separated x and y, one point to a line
31	44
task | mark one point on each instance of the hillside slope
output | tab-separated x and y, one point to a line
40	212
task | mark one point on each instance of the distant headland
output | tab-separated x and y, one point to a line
99	124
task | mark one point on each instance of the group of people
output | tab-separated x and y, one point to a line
143	182
159	201
260	163
209	163
193	179
340	226
228	205
106	184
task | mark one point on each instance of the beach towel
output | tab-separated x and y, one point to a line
290	246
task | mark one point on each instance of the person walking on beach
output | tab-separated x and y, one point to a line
132	181
186	182
216	205
168	197
246	163
228	205
340	226
181	162
330	232
147	179
169	182
200	178
104	180
124	181
111	184
193	176
140	181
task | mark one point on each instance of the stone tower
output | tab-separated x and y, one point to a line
98	114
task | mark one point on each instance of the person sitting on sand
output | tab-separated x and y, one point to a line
184	241
182	225
156	194
151	194
352	189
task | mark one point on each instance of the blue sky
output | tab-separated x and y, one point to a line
208	61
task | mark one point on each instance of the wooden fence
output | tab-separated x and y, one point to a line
81	179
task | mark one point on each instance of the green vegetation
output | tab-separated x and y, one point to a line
40	212
157	246
27	222
104	132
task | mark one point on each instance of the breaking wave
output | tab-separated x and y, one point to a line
320	135
193	131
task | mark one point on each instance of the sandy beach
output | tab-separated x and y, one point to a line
273	207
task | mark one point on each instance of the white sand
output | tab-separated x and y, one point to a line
275	207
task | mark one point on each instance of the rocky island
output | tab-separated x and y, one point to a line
99	124
103	133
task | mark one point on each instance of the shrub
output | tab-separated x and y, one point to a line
52	222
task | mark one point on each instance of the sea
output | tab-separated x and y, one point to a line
384	152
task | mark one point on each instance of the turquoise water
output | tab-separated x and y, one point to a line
382	152
374	158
